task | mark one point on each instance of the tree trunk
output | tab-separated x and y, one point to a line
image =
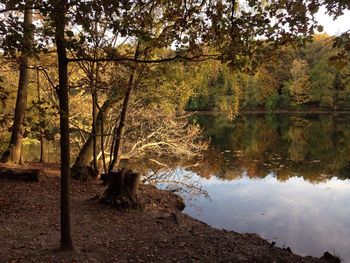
115	159
94	99
86	154
94	133
102	142
41	118
13	153
122	191
42	147
62	92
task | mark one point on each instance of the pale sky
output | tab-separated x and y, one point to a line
334	27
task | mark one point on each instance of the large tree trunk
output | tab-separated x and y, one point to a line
13	153
62	92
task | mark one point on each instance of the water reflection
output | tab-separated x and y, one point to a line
31	151
316	147
284	177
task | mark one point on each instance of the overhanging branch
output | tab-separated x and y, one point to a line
198	58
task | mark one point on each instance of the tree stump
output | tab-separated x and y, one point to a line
122	190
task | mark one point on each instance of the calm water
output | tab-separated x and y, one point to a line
283	177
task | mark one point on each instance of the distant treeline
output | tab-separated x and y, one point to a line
305	78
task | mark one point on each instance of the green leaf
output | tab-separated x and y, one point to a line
320	28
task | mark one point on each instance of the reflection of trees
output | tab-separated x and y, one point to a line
212	164
316	147
298	139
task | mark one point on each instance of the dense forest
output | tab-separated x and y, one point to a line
115	78
299	78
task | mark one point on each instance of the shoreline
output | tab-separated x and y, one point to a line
243	112
29	215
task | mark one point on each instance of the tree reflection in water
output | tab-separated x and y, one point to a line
284	177
315	147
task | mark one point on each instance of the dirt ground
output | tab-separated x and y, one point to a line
29	229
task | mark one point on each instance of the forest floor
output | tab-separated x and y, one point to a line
30	231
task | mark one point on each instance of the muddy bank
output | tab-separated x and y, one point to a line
29	229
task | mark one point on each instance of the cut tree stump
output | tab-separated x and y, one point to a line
122	190
30	175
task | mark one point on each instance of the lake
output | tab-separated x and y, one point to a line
284	177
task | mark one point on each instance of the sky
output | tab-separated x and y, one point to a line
334	27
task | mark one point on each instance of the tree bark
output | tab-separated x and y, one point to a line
102	142
122	191
115	160
62	92
42	147
94	132
13	153
41	119
93	90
